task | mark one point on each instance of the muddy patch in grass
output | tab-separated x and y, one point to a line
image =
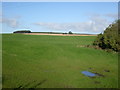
106	70
100	75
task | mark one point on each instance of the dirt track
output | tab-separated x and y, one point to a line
58	34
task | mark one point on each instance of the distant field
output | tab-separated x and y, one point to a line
60	34
42	61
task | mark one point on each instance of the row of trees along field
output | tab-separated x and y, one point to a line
109	40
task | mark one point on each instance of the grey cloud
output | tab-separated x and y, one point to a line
1	13
12	22
112	15
0	21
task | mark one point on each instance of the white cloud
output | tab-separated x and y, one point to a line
95	24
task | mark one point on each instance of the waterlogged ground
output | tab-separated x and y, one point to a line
34	61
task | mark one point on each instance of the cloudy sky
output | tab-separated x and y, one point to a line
78	17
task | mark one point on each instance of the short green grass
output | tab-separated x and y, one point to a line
33	61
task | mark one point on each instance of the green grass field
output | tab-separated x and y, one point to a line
33	61
0	61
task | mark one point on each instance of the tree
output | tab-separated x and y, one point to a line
110	38
70	32
22	31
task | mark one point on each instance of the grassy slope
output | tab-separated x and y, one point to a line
55	61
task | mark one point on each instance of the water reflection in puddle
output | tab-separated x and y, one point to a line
87	73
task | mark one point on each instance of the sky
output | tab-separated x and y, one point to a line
78	17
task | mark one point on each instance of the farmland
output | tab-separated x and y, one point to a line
37	61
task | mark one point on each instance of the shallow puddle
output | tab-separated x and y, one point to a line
87	73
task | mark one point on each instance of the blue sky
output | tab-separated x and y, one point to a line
78	17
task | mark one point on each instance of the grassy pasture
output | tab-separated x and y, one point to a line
34	61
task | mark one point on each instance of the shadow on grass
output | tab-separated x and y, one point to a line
28	84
